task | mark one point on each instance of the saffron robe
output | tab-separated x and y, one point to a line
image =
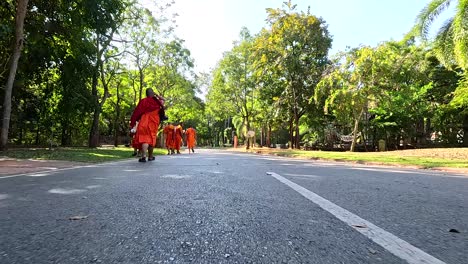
191	137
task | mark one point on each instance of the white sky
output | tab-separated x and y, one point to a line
210	26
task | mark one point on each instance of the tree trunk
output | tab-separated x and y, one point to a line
116	136
268	136
36	140
99	72
66	138
248	139
94	132
162	140
117	118
297	136
420	133
355	131
134	93
20	139
140	70
427	128
262	133
21	9
291	136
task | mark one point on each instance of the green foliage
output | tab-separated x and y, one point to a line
292	54
232	91
75	64
86	64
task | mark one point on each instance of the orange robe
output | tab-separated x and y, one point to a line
191	137
147	113
177	137
169	134
148	128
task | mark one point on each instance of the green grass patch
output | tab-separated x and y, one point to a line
87	155
390	158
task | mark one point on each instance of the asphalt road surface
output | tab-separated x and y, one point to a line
221	207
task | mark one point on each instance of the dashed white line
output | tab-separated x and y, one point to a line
387	240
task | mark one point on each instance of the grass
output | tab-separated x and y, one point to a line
87	155
453	158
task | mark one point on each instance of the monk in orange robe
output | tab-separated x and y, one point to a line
147	115
191	135
169	135
178	133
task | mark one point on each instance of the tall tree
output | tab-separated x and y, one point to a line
451	41
450	45
143	31
233	87
106	17
295	47
21	10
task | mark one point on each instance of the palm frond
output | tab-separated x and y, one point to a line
427	16
444	45
460	35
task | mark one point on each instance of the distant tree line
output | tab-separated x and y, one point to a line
84	66
282	84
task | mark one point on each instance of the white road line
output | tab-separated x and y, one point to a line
64	169
390	242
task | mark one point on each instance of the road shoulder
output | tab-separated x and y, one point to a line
9	166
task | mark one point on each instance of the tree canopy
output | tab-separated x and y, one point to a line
85	64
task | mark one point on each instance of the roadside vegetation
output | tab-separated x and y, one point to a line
87	155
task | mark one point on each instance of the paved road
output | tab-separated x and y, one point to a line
220	207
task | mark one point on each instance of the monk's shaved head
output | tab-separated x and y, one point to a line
149	92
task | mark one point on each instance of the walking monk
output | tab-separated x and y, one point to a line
191	135
147	115
169	135
178	137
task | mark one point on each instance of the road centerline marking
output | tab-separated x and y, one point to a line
387	240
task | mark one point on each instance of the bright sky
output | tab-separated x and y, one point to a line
210	26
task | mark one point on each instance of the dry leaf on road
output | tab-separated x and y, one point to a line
78	217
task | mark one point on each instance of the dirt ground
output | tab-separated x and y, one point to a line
446	153
10	166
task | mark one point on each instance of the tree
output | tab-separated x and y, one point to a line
106	17
451	41
295	49
142	30
233	88
348	87
360	79
168	76
450	46
21	9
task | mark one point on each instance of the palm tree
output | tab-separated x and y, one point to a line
450	46
451	41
